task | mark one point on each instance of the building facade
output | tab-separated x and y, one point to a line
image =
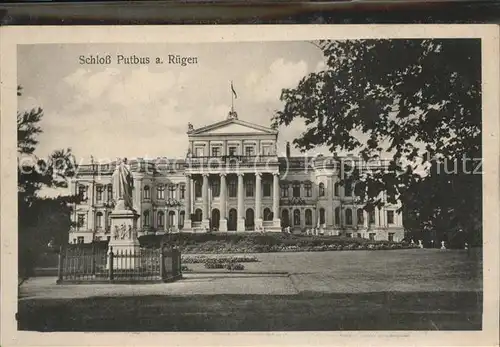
232	180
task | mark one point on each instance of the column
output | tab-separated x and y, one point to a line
187	204
276	201
258	201
241	221
204	195
223	197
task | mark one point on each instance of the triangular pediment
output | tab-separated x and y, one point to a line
232	126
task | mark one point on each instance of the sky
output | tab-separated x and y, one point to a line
119	110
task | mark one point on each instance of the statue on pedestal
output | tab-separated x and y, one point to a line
122	185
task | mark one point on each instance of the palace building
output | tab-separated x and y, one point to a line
233	180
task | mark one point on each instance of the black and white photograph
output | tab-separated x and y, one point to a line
311	184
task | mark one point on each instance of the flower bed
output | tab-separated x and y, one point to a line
203	259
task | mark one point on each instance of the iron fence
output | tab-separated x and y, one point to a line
84	265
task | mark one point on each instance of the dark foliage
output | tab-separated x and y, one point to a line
420	101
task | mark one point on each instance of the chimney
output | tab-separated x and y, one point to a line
288	149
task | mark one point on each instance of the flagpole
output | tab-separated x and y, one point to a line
232	97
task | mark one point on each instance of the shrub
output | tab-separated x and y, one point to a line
212	265
184	268
235	266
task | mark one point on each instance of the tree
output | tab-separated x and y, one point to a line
40	220
417	100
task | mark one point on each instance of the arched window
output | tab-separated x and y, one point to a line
160	192
171	219
198	215
172	189
296	217
249	219
337	215
321	189
361	217
161	219
336	189
309	217
147	193
231	187
98	219
322	216
268	215
348	216
146	220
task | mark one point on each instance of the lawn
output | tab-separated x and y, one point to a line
347	290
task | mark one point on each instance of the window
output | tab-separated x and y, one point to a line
296	189
349	235
172	189
232	189
146	218
266	150
321	189
284	190
80	239
348	216
110	192
249	189
98	220
336	189
216	151
322	216
296	217
99	193
198	151
267	188
371	217
215	188
147	193
309	217
82	192
197	188
372	236
390	217
308	189
391	236
359	235
337	215
182	191
160	192
348	189
268	215
360	216
249	151
160	219
80	220
232	150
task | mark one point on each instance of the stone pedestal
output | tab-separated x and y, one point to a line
259	224
223	225
275	228
240	226
187	225
124	239
205	225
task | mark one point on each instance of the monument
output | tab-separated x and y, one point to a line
123	218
